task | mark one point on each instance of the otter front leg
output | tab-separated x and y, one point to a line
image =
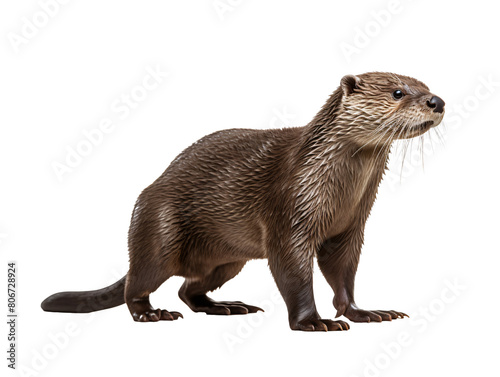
338	259
292	271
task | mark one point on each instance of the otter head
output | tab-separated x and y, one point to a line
382	107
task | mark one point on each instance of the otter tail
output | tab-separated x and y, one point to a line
86	302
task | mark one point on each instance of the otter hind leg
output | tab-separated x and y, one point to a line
193	292
142	311
140	284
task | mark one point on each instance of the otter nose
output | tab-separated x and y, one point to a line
436	103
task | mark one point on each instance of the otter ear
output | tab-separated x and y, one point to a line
349	83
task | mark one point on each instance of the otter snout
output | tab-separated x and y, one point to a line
437	104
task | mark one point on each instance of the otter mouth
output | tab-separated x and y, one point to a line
424	126
419	129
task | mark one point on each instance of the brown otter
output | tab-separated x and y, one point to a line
287	195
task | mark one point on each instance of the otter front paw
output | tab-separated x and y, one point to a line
355	314
319	325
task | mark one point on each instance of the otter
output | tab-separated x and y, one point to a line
288	195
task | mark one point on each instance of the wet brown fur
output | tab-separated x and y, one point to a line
287	195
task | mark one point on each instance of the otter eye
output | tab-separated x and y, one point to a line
397	94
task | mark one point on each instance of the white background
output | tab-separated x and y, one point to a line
240	66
